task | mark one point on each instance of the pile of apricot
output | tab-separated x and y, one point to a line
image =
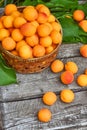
32	32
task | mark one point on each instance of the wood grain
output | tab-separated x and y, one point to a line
22	115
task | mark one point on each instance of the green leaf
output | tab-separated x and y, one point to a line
72	33
7	74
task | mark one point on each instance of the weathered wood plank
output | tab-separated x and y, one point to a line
1	122
22	115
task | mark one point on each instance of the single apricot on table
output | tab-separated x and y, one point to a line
49	98
82	80
71	66
67	77
83	50
44	115
83	25
67	95
57	66
78	15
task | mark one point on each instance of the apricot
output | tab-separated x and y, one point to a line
43	30
8	21
30	13
10	8
83	25
18	22
38	51
67	77
56	26
25	52
8	43
56	37
78	15
82	80
83	50
4	33
67	96
32	40
28	29
57	66
44	115
49	98
17	35
42	18
45	41
71	66
44	9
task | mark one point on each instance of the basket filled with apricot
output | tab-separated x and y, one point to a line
30	37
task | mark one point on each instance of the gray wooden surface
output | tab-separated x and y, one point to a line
19	103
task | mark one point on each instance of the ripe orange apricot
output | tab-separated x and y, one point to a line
42	18
28	29
44	115
57	66
25	52
17	35
19	21
82	80
56	26
4	33
83	25
49	98
8	43
67	95
33	40
56	37
30	13
49	49
38	51
45	41
38	6
20	43
83	50
8	21
51	18
78	15
71	66
44	9
43	30
10	8
67	77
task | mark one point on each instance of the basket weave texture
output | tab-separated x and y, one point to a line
33	65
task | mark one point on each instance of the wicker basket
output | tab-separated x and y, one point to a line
30	65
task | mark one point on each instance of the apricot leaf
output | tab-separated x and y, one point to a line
7	74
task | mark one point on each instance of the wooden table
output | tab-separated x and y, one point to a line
19	103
